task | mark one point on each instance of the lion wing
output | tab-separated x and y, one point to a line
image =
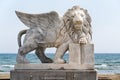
44	21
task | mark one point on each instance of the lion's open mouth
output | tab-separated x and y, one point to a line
77	27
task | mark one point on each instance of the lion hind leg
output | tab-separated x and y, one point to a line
26	48
41	55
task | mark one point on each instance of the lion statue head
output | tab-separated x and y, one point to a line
78	25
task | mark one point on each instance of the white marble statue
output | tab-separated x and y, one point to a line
50	30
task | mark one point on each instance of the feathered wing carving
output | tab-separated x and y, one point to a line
44	21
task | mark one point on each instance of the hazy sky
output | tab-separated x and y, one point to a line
105	21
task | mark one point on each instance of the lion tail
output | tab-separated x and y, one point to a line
20	35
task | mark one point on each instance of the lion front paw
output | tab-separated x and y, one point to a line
83	41
59	61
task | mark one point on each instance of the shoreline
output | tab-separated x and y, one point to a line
6	76
108	76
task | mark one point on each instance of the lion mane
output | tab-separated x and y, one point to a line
85	32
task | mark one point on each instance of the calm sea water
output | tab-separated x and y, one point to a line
104	63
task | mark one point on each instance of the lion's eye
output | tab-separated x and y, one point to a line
72	16
68	19
82	15
85	25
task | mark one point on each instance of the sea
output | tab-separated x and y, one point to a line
105	63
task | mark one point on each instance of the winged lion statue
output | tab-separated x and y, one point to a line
47	30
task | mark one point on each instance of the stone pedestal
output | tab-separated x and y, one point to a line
79	67
53	74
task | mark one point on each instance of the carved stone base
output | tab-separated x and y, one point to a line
53	75
55	66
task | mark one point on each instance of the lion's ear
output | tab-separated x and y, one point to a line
85	10
88	16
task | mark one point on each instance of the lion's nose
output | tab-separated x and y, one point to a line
78	22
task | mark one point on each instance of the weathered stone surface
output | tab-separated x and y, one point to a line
81	54
54	66
51	30
87	52
75	56
53	75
